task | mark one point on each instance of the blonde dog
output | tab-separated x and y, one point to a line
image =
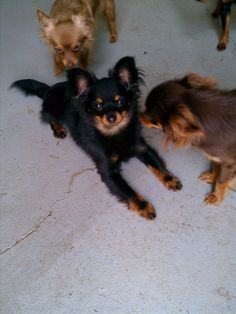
70	28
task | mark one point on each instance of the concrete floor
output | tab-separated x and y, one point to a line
67	246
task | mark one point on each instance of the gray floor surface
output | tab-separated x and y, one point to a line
67	245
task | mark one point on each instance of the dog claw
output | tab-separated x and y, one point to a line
144	209
221	46
211	199
60	133
207	177
113	38
172	183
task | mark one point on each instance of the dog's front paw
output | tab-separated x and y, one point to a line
142	208
207	177
113	38
212	199
172	183
221	46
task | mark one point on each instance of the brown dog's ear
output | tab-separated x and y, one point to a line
85	26
183	128
43	18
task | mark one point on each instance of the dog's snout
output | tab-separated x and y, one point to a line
70	64
111	118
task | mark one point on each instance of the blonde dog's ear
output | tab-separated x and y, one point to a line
43	18
84	25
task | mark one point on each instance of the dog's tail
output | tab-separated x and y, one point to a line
31	87
194	80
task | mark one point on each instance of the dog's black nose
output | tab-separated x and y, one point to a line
111	118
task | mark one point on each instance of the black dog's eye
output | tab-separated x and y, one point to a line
98	106
120	102
58	50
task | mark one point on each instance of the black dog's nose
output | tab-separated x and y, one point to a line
111	118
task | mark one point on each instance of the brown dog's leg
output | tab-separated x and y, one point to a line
211	175
225	20
217	196
226	175
58	130
216	12
110	14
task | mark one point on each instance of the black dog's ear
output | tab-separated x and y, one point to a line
126	72
79	81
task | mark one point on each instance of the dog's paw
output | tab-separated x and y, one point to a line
58	130
207	177
113	38
142	208
221	46
212	199
60	133
172	183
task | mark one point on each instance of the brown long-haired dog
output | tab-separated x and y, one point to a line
70	28
192	110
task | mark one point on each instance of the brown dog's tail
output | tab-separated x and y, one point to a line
194	80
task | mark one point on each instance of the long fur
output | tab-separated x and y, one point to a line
193	111
102	116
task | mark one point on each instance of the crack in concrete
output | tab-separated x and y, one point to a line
76	174
37	226
34	229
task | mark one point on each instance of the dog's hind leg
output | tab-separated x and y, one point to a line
110	13
216	12
58	130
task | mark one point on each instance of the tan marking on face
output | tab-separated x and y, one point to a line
114	157
117	98
67	37
99	100
110	129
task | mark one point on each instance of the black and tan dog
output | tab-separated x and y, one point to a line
193	111
223	9
102	116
